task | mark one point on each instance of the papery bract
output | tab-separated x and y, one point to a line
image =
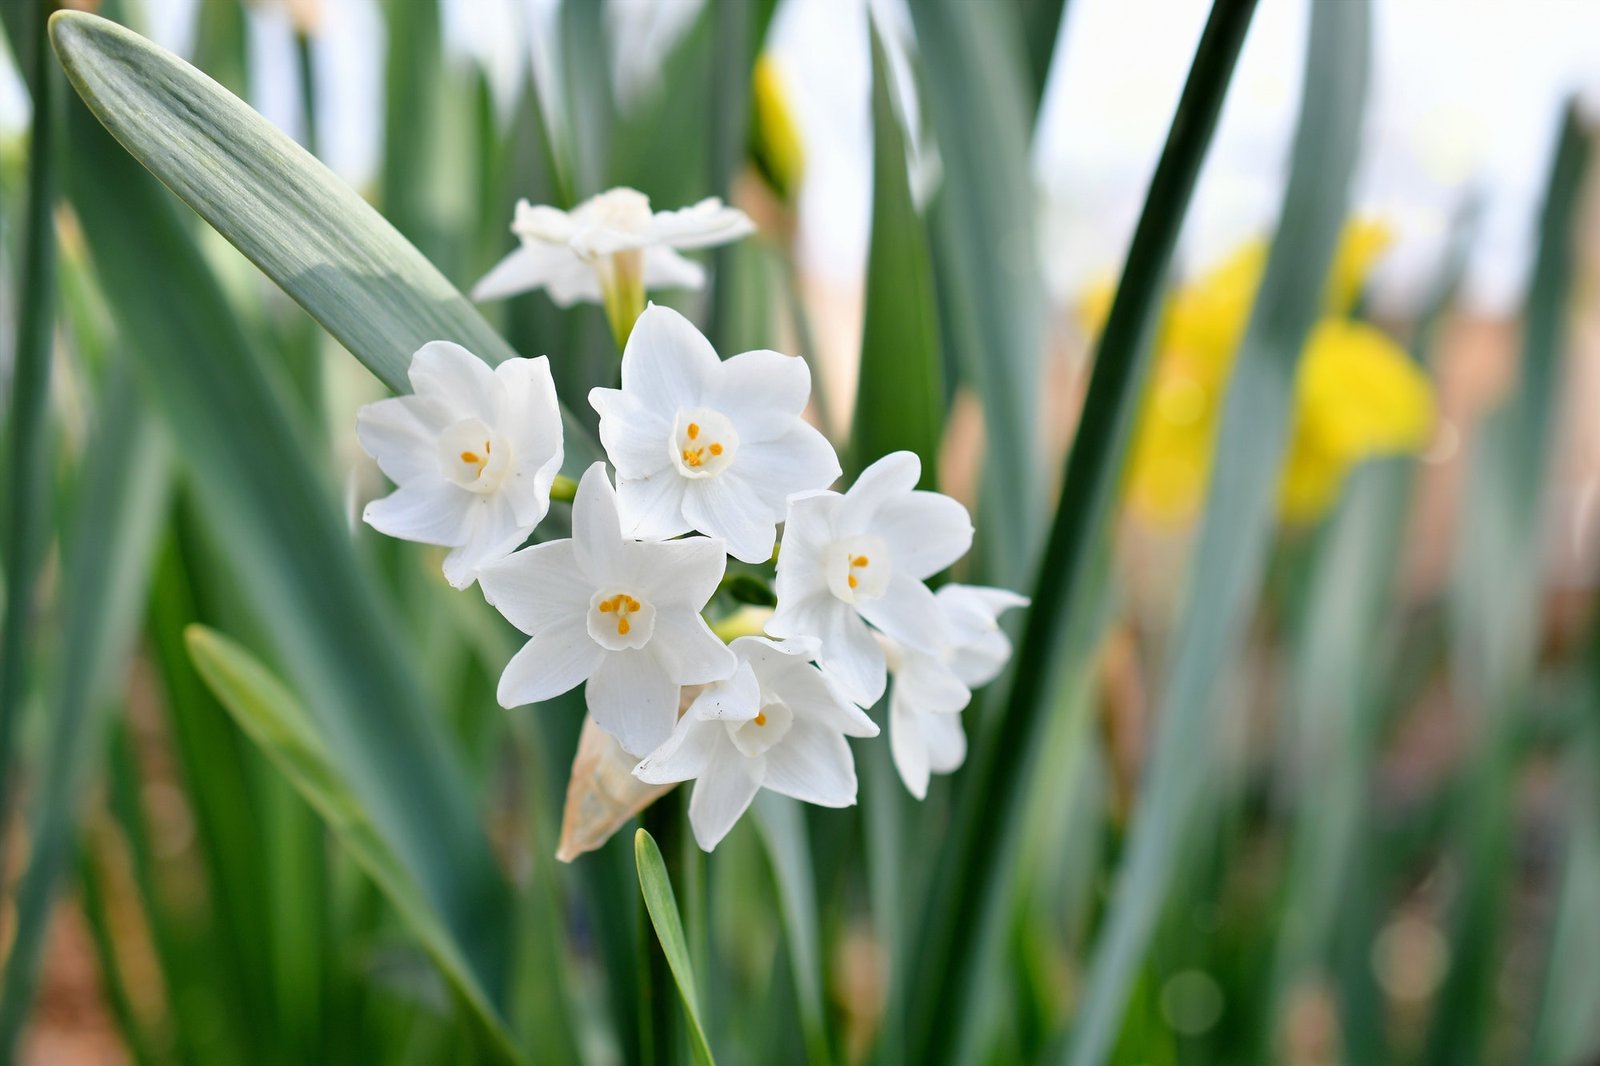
620	614
473	452
708	445
777	723
863	557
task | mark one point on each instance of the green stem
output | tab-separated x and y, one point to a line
26	479
976	873
563	489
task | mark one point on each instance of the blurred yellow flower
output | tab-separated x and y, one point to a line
776	145
1357	395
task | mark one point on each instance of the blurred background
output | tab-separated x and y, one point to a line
1393	852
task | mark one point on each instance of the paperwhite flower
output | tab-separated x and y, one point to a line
703	444
865	556
931	689
609	242
620	614
776	723
473	450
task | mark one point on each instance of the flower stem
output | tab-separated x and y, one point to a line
563	489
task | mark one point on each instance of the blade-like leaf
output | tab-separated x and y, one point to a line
784	832
975	873
289	214
983	222
662	904
900	394
107	564
274	719
1240	511
260	494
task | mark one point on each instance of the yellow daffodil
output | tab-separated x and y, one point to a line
1358	394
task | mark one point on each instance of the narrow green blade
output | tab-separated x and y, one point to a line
662	904
306	230
975	874
1240	511
107	564
900	393
280	727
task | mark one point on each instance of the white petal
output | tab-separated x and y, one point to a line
538	587
925	531
812	764
402	434
666	269
704	224
894	475
685	754
910	751
908	613
799	461
925	684
530	416
980	662
554	661
947	743
685	572
667	363
851	655
738	699
632	698
722	793
762	393
974	610
726	506
494	534
538	265
542	222
637	437
428	510
596	530
652	507
690	652
784	669
465	383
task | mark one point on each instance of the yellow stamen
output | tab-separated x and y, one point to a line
716	449
623	626
761	718
471	459
694	430
852	580
860	560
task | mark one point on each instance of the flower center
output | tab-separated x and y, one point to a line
858	568
703	442
620	620
473	456
755	736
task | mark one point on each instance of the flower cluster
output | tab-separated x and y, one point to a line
710	458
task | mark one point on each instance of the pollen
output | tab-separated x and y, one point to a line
853	580
474	459
716	449
761	718
621	605
694	430
860	560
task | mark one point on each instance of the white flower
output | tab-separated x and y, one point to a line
620	614
931	689
473	451
709	445
607	241
865	555
776	723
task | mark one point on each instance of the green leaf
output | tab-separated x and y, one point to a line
1240	512
260	494
974	877
271	716
308	231
26	505
107	565
900	393
662	904
983	224
784	832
